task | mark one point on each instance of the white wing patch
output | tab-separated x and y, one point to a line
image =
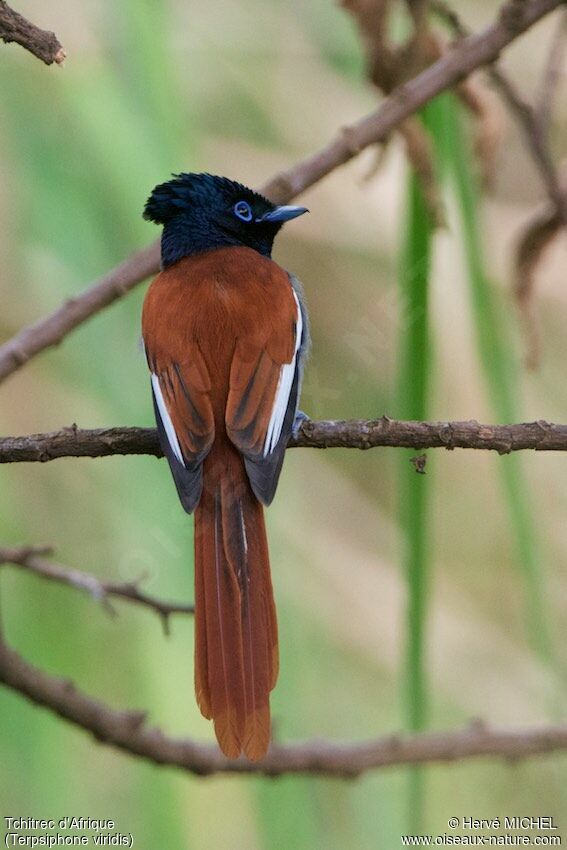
283	390
243	529
166	419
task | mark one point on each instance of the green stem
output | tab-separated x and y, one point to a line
412	394
501	376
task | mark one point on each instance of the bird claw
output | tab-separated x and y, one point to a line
300	418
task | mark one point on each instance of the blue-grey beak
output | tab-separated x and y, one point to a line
284	213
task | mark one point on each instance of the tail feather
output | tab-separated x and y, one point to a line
202	690
236	629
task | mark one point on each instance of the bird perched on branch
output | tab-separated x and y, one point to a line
225	333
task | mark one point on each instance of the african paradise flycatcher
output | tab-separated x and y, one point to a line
225	333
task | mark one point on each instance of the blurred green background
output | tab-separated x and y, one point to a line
404	600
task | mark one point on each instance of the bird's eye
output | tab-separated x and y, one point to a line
243	210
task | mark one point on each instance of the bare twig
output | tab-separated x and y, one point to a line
32	559
389	64
14	28
419	150
448	14
488	114
535	138
127	731
534	121
552	74
537	235
542	229
349	433
534	133
50	330
471	53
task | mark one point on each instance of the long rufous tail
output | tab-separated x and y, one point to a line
236	640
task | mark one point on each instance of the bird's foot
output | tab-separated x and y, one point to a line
300	418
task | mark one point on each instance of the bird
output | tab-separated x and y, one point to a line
225	332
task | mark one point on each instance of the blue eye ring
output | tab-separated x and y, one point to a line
243	210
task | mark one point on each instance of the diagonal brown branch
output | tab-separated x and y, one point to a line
128	732
348	433
50	330
15	28
33	560
470	53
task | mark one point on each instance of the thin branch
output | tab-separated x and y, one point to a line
470	53
536	139
552	74
331	434
50	330
535	123
389	64
535	133
15	28
127	731
32	559
540	232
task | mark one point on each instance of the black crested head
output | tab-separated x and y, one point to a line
200	212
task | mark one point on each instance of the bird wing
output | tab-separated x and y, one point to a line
185	421
263	395
231	346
